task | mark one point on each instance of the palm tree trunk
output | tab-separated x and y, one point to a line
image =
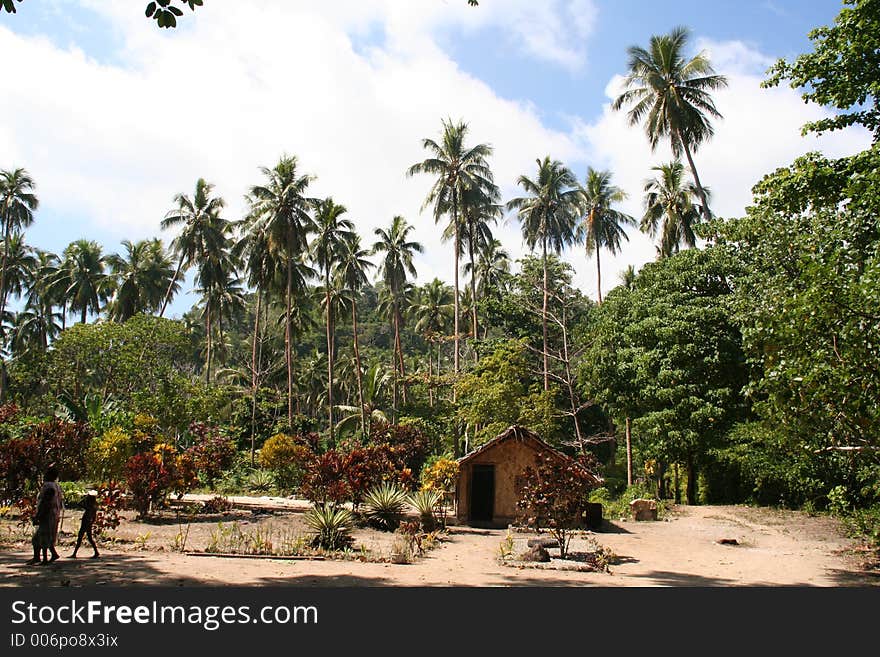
629	452
287	341
82	318
702	192
544	319
357	361
430	377
394	365
171	286
6	231
398	345
598	274
327	309
691	490
255	381
456	428
208	329
473	294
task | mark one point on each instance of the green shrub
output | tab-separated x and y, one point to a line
331	526
286	458
109	453
425	502
385	505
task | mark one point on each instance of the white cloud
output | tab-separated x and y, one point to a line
760	132
230	92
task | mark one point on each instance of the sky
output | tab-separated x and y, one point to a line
113	116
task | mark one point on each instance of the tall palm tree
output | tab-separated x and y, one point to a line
479	211
671	208
331	230
548	215
433	315
17	206
143	276
21	263
351	275
283	209
672	95
603	226
200	221
628	277
261	269
38	323
457	168
88	285
491	271
396	264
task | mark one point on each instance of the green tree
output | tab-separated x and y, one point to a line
351	275
602	226
201	228
671	94
396	265
671	208
87	284
331	231
142	277
842	71
433	314
548	215
458	170
283	208
17	206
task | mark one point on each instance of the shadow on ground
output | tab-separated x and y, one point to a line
113	569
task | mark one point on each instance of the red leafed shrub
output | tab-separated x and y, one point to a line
410	446
554	494
23	461
211	452
8	412
325	478
186	474
110	503
149	477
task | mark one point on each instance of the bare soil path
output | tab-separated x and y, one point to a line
774	548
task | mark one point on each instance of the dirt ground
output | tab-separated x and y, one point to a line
774	548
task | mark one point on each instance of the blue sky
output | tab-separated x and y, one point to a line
97	108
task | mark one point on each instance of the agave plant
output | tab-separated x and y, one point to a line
261	481
331	526
425	501
385	505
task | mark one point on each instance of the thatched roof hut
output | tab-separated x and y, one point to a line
486	489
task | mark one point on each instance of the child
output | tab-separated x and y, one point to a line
44	519
90	503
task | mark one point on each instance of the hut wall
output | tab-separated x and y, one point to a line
510	458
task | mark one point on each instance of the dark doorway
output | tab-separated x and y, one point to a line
482	493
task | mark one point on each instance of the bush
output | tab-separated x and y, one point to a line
554	493
425	502
325	479
440	474
211	453
150	476
109	453
110	503
331	526
385	506
217	504
409	443
287	459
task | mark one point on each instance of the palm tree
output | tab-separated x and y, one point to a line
479	210
672	95
671	208
396	264
200	219
143	276
88	285
17	206
628	277
372	400
331	230
38	323
457	168
261	268
283	209
548	215
433	314
351	275
602	225
218	283
21	263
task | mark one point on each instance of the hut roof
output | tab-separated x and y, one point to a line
523	435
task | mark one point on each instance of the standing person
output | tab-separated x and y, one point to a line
50	481
44	520
90	504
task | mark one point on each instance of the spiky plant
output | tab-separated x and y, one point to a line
425	501
384	506
331	526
